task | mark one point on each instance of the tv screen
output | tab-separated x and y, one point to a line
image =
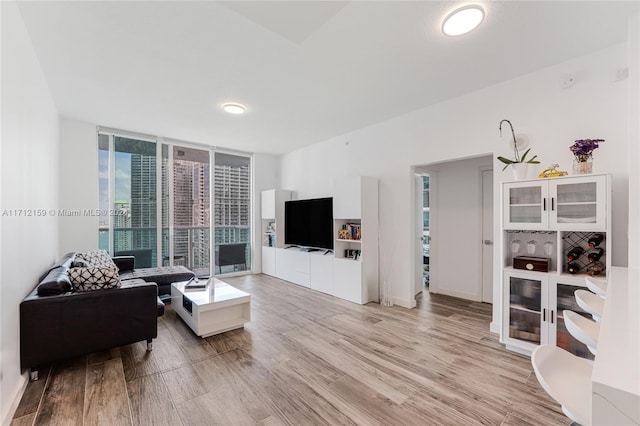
309	223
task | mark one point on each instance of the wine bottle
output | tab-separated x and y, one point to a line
573	268
595	255
574	253
595	268
595	240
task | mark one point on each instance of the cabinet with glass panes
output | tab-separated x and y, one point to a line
544	222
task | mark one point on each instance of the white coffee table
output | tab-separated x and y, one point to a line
212	310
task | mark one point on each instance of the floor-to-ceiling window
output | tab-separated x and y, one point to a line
186	208
161	204
128	186
232	212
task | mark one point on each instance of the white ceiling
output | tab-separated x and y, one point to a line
307	70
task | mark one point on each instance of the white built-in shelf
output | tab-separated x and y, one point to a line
552	271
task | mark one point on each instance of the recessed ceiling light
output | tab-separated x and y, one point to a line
234	108
463	20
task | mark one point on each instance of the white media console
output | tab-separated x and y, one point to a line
351	271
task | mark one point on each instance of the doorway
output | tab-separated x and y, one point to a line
422	199
459	228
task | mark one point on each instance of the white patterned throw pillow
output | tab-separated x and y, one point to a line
96	258
94	278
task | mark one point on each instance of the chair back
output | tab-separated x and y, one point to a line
232	254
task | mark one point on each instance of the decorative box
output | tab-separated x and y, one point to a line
532	263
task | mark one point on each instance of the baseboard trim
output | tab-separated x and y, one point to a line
16	401
404	303
459	295
494	327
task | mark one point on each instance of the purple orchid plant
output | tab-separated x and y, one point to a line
583	148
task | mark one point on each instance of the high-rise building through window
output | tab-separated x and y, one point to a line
134	171
143	200
122	223
232	199
191	209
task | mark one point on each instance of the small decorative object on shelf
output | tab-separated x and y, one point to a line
352	254
344	234
519	163
532	263
349	231
552	172
582	150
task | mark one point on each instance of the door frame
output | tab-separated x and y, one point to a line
416	228
481	171
416	259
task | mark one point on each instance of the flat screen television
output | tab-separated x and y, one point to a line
309	223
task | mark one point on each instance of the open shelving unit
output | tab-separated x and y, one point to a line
272	223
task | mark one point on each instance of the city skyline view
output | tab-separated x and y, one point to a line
135	187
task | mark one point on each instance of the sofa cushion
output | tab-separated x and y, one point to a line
163	276
95	258
55	282
79	262
94	278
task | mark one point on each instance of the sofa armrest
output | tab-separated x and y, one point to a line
54	328
125	263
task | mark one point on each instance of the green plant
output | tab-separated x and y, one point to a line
518	159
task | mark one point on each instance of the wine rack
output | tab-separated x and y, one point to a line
581	239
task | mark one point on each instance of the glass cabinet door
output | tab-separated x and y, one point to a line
565	299
525	205
525	309
578	203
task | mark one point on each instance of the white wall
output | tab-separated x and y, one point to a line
634	140
456	227
29	181
265	173
595	107
78	185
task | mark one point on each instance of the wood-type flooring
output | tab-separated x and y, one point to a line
306	358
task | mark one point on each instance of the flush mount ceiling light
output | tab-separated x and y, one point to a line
463	20
234	108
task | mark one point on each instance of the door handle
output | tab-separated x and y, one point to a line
488	242
551	312
544	314
553	203
544	204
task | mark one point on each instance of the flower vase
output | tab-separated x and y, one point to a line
520	170
582	166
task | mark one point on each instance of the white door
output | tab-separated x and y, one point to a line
487	236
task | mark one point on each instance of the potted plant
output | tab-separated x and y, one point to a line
582	150
520	163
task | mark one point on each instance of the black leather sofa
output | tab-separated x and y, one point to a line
57	323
